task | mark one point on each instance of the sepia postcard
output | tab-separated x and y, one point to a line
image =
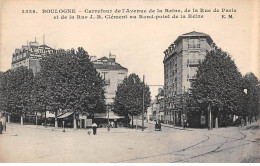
130	81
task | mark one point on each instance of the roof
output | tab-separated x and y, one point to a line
104	58
65	115
194	34
45	46
115	66
110	67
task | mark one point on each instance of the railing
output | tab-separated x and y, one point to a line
193	61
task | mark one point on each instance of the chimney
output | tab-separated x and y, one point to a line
112	57
93	58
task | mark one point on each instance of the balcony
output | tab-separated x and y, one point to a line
193	62
194	46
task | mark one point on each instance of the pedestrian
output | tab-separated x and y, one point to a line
184	124
115	123
242	122
94	126
112	124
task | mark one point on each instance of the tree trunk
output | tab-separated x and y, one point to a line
56	120
209	118
22	120
74	121
136	123
8	118
36	119
216	122
45	122
132	121
174	118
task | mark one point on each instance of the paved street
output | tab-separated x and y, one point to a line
38	144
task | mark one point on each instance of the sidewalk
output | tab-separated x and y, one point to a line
60	129
170	126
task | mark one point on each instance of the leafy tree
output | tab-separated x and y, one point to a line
129	97
253	95
16	85
3	91
40	100
71	82
218	85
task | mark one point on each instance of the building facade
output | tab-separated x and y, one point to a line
29	56
181	60
113	74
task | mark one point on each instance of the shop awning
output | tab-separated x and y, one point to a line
65	115
112	115
49	115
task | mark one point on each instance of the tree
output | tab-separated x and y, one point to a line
253	95
16	85
218	85
129	97
71	83
3	101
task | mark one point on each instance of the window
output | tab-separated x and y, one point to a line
194	43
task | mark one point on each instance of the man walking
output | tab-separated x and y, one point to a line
94	126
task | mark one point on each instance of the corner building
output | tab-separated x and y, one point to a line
181	60
113	74
29	56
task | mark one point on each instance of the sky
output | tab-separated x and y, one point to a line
137	44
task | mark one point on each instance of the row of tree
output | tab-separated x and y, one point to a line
219	88
68	82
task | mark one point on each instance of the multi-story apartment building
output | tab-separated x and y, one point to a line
113	74
29	56
180	64
149	113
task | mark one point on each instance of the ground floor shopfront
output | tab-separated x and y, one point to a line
173	116
66	119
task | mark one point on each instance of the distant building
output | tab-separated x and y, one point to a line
113	74
180	64
29	56
149	113
160	106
